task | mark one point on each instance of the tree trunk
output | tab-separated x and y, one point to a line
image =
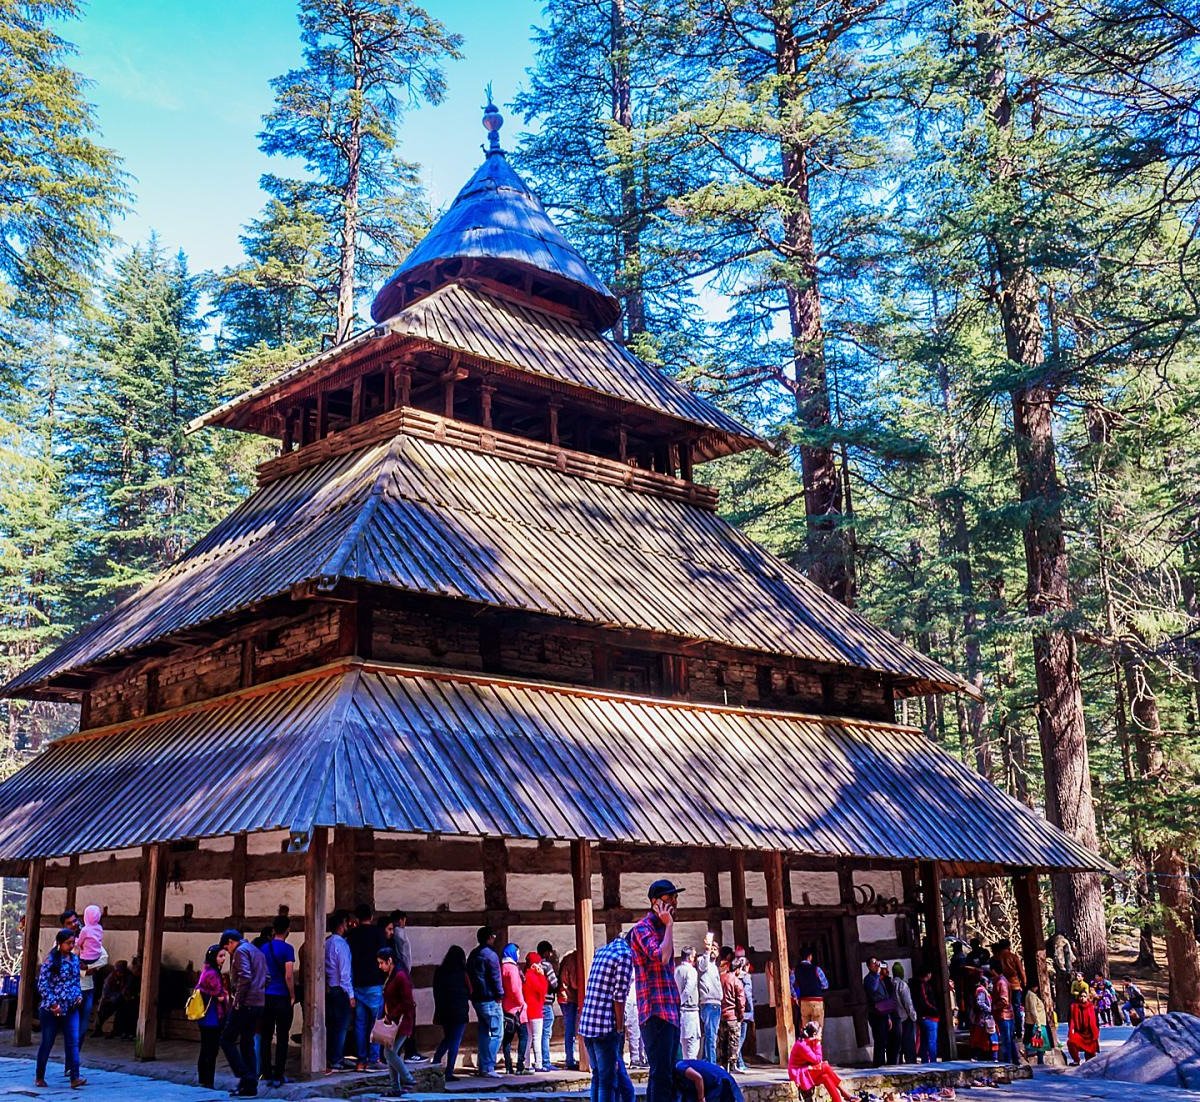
348	253
1170	865
830	541
1078	899
629	267
959	538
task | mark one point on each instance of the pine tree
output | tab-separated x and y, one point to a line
365	61
145	489
58	188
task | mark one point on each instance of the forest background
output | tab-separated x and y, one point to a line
942	253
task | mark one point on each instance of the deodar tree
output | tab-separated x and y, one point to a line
365	63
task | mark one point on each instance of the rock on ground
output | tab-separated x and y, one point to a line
1164	1051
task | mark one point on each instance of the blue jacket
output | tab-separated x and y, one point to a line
483	971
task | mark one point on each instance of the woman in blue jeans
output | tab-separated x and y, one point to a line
61	999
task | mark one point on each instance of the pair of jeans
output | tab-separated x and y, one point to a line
452	1036
85	1013
337	1024
570	1013
491	1030
520	1030
399	1075
741	1050
710	1023
881	1034
206	1062
237	1042
661	1040
52	1025
547	1029
1008	1044
908	1041
929	1040
277	1024
367	1011
610	1078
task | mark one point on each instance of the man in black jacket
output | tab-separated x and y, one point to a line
483	974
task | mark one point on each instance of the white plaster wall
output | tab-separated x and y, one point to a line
876	927
820	887
759	930
224	844
268	841
888	883
208	898
756	889
429	943
264	897
527	891
54	902
690	933
106	855
183	949
428	890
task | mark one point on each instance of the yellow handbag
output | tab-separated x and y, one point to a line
196	1006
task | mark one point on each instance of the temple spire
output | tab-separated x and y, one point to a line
492	121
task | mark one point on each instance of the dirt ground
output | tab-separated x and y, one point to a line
1152	982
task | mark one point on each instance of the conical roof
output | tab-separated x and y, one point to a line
498	221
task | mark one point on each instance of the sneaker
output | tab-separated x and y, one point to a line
415	1058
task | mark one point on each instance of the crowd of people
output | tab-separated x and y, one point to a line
684	1014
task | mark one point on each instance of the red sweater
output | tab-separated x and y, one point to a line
537	987
398	1004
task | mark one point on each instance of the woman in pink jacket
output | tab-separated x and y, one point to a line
808	1069
512	1002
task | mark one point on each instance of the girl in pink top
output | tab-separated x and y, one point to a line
808	1069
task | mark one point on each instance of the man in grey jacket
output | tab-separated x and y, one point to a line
248	973
709	989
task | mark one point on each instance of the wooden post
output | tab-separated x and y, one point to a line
741	921
585	945
1033	938
23	1033
237	882
785	1029
935	949
154	874
486	390
72	883
316	906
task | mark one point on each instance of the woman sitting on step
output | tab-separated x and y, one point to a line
808	1068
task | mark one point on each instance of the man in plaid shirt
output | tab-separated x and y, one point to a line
653	943
602	1021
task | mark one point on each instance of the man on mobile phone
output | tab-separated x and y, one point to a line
653	943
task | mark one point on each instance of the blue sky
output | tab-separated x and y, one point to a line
180	90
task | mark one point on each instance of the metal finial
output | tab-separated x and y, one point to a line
492	121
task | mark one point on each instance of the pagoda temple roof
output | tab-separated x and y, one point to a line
414	750
496	219
496	331
513	532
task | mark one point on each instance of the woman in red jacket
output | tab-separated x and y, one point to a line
1083	1033
399	1009
536	988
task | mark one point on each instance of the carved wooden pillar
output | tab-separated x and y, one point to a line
154	877
486	390
585	948
27	991
685	462
554	408
316	906
737	879
623	444
356	401
785	1030
1033	937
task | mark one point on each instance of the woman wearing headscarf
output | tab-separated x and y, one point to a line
512	1002
61	998
535	989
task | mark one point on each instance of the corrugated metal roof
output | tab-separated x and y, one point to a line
421	751
502	331
497	218
427	517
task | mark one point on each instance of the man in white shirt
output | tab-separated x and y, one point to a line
687	979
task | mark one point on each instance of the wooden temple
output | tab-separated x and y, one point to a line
480	647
